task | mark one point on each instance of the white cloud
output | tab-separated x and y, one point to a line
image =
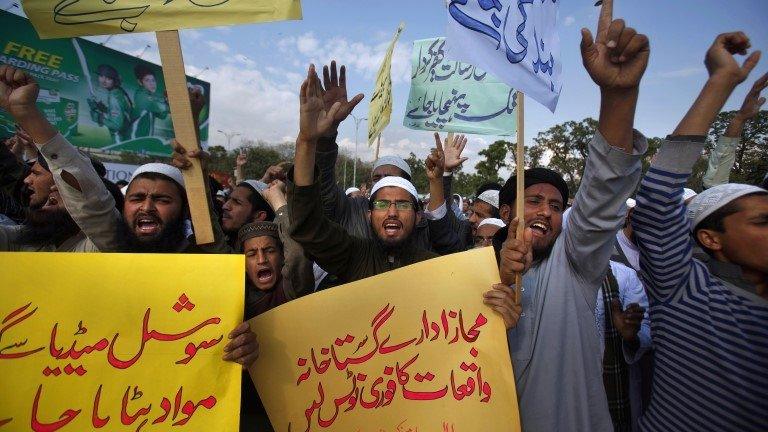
358	56
682	73
218	46
569	20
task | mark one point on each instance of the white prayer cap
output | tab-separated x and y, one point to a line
394	161
258	186
491	196
395	182
160	168
712	199
631	203
688	194
351	190
492	221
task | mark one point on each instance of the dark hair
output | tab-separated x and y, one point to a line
258	203
117	195
121	183
140	71
715	221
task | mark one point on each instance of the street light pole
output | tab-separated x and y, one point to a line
229	136
354	164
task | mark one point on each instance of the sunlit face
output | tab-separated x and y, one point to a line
236	212
150	206
263	261
745	234
149	82
480	210
385	171
392	226
544	209
484	235
106	82
38	183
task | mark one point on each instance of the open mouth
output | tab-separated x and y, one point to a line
147	225
264	276
392	227
539	228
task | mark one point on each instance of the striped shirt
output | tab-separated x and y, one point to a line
710	336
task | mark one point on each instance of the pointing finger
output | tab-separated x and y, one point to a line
606	17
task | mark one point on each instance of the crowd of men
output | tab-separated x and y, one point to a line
644	305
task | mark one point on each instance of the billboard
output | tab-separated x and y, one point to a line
99	98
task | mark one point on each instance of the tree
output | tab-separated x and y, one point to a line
418	173
567	146
495	157
751	163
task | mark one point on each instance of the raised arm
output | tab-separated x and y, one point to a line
659	219
616	60
85	197
336	205
723	156
325	241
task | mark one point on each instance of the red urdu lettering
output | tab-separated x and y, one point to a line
97	421
64	419
128	419
13	318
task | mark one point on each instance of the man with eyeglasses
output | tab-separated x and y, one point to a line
393	211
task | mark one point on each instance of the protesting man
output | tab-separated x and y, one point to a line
556	355
393	207
709	318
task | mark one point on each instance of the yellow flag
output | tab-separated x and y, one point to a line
67	18
380	108
411	349
118	342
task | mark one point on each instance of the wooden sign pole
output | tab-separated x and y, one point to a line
520	186
184	127
378	145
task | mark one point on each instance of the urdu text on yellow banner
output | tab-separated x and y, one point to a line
118	342
68	18
380	108
414	349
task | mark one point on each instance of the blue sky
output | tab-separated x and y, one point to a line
255	70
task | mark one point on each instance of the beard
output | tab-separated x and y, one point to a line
169	240
48	226
542	253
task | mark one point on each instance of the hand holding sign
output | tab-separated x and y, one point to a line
516	254
617	59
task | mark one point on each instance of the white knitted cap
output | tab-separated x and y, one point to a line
160	168
395	182
712	199
257	185
491	196
688	194
492	221
351	190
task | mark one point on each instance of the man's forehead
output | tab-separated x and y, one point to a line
260	242
153	185
393	193
242	193
545	190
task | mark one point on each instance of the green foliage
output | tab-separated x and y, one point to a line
567	146
751	163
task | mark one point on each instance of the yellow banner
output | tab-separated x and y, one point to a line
411	349
380	108
68	18
118	342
